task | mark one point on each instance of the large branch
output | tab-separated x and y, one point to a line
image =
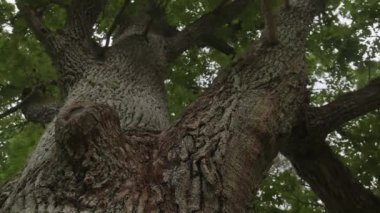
82	15
270	25
42	110
75	36
115	22
147	20
346	107
36	105
205	25
316	163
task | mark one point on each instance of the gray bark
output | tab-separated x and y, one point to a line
111	147
131	86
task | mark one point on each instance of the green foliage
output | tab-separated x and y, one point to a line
6	11
108	16
190	75
15	146
282	191
342	55
358	146
23	64
54	17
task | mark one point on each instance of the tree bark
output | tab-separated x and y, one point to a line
111	147
318	165
330	179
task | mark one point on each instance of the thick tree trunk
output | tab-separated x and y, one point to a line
111	148
211	160
126	81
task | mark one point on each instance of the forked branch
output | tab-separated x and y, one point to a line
82	15
79	24
318	165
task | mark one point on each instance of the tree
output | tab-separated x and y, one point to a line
109	143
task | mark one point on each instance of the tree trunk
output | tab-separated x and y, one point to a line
211	160
111	147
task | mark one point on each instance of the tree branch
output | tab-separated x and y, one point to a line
346	107
270	26
79	25
316	163
82	15
218	44
36	107
319	166
116	21
40	111
19	105
208	23
34	21
149	19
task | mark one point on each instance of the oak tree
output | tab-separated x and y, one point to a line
132	122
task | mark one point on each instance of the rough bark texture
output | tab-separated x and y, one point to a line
316	163
330	179
111	147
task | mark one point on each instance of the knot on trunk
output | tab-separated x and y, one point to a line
90	136
81	124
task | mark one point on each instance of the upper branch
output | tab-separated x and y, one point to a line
82	15
224	13
347	107
270	25
115	22
34	19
